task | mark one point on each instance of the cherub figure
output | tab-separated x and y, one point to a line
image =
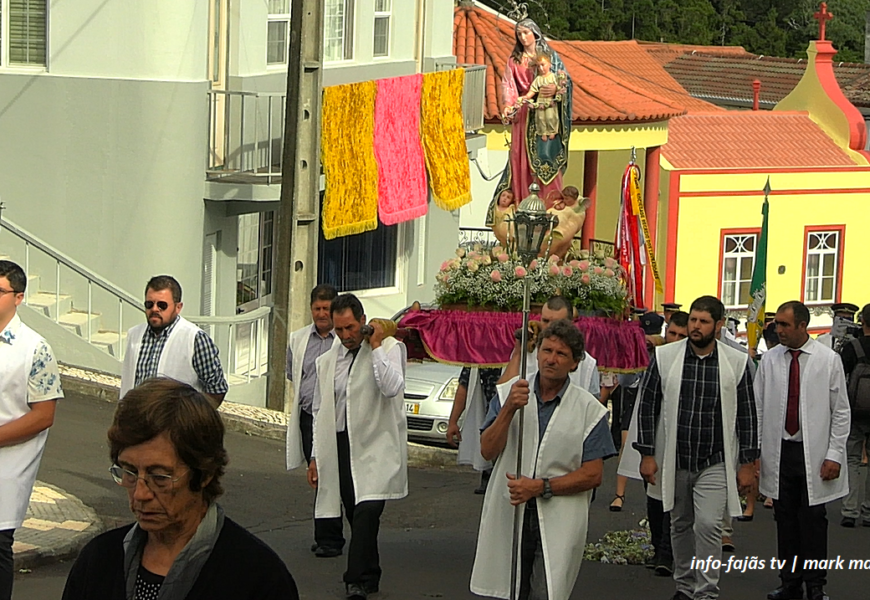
546	109
571	211
501	227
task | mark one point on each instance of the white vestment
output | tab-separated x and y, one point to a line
376	428
563	519
669	360
824	418
176	359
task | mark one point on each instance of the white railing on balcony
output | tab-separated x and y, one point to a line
245	134
473	93
242	341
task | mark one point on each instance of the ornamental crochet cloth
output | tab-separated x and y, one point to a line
402	190
350	204
444	138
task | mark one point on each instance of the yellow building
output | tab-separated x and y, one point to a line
714	168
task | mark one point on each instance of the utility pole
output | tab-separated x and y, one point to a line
297	221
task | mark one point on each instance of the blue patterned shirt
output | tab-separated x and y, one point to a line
44	380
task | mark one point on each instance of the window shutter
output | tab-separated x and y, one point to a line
27	32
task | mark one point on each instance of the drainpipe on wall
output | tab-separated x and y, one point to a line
756	94
421	35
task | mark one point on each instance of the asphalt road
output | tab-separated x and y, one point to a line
427	540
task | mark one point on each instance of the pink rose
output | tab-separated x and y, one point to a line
445	265
583	265
473	266
497	250
553	258
609	263
503	257
460	252
495	276
520	271
608	273
486	260
567	271
577	265
554	269
533	265
598	270
584	279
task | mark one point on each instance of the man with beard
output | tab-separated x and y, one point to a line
170	346
696	421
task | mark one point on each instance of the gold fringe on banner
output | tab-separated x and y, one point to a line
444	138
350	204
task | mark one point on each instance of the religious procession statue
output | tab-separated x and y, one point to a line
537	93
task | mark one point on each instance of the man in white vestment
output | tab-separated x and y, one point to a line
565	441
696	424
360	456
306	346
168	345
29	390
803	423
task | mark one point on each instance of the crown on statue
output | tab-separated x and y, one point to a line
519	11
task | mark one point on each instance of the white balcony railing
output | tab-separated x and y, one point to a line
245	135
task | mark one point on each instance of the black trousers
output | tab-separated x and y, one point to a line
533	577
363	560
801	529
7	573
659	528
327	532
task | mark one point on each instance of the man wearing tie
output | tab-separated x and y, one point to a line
803	424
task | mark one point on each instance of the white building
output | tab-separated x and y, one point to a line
145	138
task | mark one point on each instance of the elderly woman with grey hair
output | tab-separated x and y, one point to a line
166	445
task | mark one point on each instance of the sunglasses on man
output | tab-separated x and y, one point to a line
161	305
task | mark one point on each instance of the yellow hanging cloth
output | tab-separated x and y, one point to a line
350	204
444	138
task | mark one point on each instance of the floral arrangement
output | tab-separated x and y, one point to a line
494	278
631	547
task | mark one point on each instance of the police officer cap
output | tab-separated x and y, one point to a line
652	323
671	306
844	307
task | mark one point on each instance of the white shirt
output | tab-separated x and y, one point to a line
388	370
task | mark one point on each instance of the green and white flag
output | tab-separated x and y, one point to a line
758	287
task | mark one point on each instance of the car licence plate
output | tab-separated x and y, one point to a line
412	408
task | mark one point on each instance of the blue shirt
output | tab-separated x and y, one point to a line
599	442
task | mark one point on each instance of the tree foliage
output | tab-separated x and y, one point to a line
768	27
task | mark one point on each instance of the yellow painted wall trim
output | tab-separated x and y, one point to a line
598	137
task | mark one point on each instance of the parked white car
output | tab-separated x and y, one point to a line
430	388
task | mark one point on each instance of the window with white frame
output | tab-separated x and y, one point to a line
738	260
338	30
23	32
278	37
383	10
823	264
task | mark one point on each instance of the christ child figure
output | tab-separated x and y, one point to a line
501	227
546	110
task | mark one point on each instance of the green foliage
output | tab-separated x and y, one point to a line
768	27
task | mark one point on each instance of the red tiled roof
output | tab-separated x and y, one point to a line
714	76
601	94
636	65
747	139
663	53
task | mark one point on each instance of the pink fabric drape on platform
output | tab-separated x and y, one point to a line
487	338
402	189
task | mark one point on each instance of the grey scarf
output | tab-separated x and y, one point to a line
187	565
